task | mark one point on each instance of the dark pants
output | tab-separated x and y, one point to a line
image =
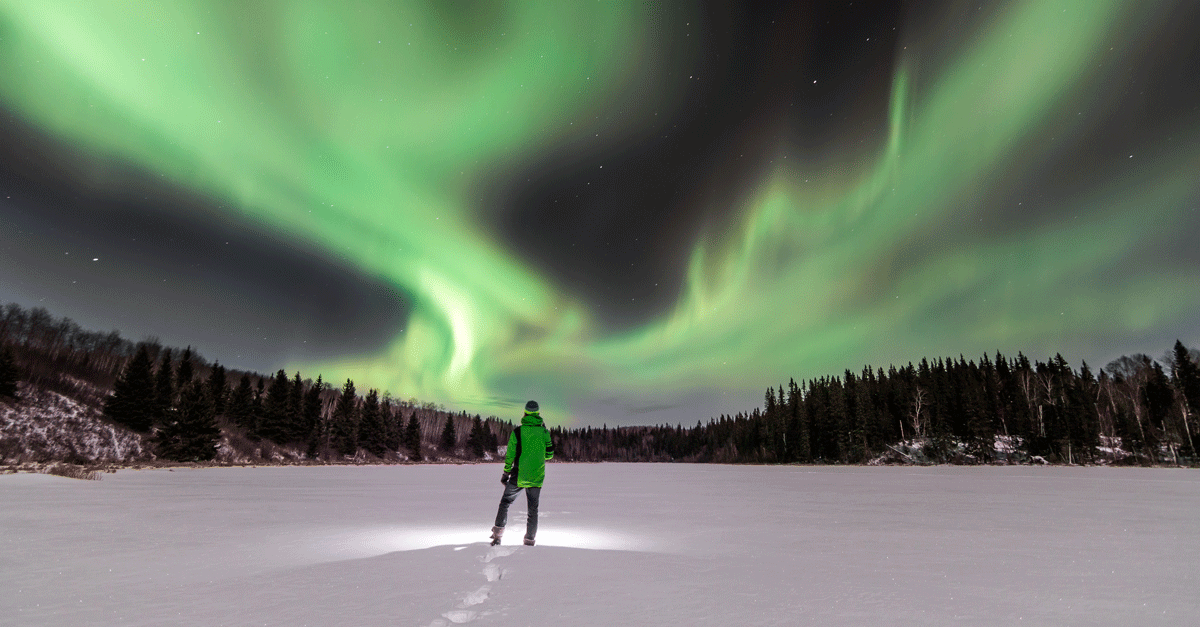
531	498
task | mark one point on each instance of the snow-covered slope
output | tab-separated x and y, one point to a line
44	425
619	544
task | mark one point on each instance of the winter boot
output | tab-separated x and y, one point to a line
528	541
497	532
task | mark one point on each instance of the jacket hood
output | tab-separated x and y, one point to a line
532	419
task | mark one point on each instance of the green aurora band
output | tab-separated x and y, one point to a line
364	132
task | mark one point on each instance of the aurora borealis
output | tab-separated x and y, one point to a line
635	213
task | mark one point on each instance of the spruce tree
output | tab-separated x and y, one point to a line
133	394
169	440
823	436
241	405
449	436
274	424
295	412
258	409
773	440
8	375
476	441
980	432
412	437
311	424
217	389
391	421
371	432
854	447
1187	381
1187	377
344	427
797	428
191	434
1158	398
164	388
1083	424
491	443
186	369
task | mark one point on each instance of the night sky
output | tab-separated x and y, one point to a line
633	212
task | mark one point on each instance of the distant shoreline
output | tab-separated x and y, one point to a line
98	470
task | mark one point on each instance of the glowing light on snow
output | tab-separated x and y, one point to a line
380	541
590	538
374	541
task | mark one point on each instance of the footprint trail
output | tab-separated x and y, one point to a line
461	614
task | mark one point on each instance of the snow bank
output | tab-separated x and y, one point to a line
44	426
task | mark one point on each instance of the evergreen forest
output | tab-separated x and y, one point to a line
994	409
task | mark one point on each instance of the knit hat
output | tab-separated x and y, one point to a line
531	407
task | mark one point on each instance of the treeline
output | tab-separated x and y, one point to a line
188	407
58	355
182	411
1135	410
947	410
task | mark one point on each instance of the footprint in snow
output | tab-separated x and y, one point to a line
490	571
459	617
477	597
499	551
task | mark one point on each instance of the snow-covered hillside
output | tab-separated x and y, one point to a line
619	544
43	425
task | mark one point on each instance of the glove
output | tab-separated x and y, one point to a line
504	478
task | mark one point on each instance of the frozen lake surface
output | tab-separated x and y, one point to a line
619	544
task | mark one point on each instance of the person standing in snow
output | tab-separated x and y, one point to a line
529	447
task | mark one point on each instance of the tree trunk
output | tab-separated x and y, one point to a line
1186	428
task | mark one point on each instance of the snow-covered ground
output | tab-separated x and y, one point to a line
46	425
620	544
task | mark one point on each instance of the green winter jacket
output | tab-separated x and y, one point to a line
536	448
